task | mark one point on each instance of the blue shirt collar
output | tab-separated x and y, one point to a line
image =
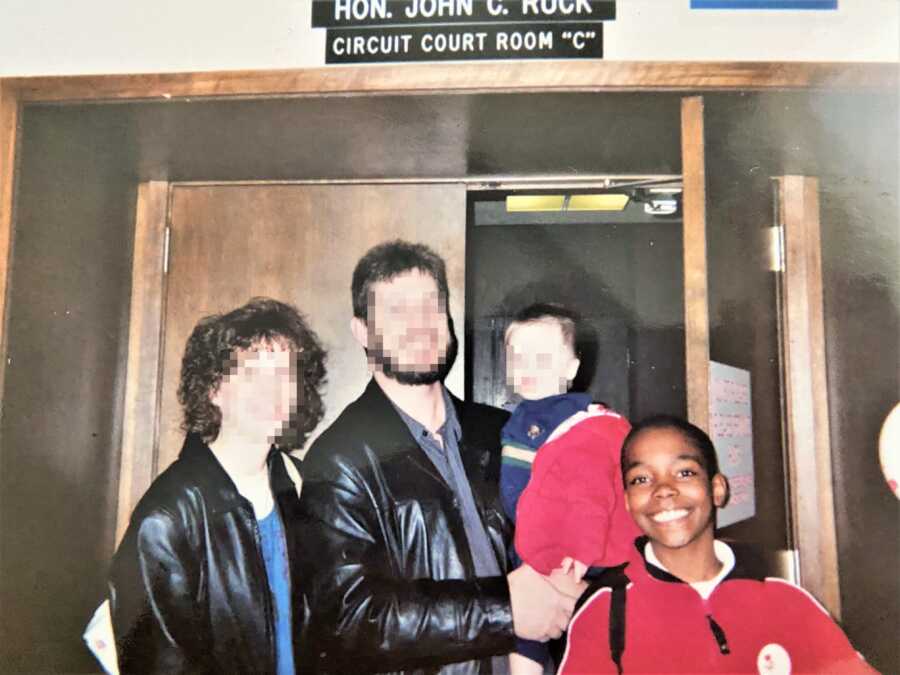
450	427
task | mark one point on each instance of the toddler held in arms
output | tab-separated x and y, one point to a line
560	476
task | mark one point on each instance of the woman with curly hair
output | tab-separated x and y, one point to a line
202	580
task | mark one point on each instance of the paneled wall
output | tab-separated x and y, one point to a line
60	430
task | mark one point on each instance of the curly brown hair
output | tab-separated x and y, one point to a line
209	354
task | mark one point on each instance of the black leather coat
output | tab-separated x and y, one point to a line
388	567
188	588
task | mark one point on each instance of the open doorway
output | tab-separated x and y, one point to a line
617	262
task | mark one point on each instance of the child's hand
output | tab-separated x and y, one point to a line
576	567
564	580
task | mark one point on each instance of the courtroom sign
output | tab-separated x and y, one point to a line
731	430
381	31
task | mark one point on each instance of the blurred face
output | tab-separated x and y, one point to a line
259	393
408	333
539	362
668	492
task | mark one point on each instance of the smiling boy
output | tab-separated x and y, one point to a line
683	603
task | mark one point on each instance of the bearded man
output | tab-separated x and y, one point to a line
404	555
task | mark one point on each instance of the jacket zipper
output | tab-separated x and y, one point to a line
717	631
719	635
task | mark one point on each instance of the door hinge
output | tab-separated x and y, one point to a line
166	251
788	565
775	244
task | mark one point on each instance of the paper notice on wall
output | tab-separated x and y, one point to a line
731	430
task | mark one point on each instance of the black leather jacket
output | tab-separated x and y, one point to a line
188	588
391	580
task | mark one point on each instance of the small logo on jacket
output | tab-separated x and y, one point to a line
773	659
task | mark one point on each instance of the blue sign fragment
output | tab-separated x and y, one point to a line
764	4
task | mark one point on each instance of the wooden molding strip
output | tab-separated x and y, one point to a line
9	111
142	380
696	300
514	76
806	395
473	183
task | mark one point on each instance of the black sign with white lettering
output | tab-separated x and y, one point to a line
461	43
383	31
351	13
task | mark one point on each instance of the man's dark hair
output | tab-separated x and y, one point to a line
390	259
694	435
210	354
570	322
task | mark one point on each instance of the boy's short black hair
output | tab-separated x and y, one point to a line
390	259
569	321
209	356
693	434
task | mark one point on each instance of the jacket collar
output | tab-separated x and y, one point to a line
219	490
379	415
641	565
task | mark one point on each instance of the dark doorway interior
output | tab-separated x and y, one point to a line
621	271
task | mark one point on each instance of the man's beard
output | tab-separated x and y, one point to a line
437	372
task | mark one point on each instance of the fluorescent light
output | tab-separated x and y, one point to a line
563	203
522	203
600	202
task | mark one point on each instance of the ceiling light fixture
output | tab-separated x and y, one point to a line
532	203
606	201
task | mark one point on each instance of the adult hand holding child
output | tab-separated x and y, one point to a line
568	578
541	609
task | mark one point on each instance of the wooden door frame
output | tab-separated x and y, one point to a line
143	379
9	121
458	78
143	376
143	382
804	370
512	77
139	462
696	282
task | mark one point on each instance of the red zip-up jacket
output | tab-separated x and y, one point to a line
574	503
745	625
